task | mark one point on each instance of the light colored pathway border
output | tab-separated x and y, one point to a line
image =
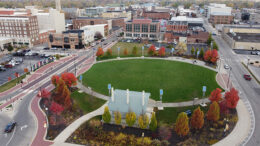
65	134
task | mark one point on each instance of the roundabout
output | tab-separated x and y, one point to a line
180	81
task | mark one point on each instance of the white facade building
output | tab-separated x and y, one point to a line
96	28
218	9
54	20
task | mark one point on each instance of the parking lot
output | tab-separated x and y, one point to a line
10	72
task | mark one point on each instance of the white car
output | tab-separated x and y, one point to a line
28	54
226	66
53	48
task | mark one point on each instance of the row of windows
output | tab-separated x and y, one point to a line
142	35
153	28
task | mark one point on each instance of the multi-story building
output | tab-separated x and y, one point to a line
116	14
146	29
94	11
99	28
221	18
157	15
83	21
22	27
73	39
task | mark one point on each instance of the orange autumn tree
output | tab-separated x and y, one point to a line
125	51
26	70
197	119
55	80
69	79
211	56
100	52
232	98
182	124
213	112
109	52
216	95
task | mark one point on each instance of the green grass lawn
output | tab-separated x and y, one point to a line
169	114
87	102
129	47
180	81
11	84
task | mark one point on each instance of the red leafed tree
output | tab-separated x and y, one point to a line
69	79
55	80
45	94
59	95
26	70
232	98
56	108
16	74
215	95
67	102
213	112
223	107
211	56
151	50
100	52
162	51
9	78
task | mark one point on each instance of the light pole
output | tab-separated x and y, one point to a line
248	59
229	77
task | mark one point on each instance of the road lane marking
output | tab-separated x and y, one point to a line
11	137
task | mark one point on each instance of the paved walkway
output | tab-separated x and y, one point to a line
65	134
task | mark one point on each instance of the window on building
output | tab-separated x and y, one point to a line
152	28
144	35
144	27
129	27
152	36
136	35
136	27
128	34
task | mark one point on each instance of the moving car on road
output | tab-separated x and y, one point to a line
9	127
226	66
247	77
2	68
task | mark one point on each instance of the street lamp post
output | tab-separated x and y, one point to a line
229	77
248	59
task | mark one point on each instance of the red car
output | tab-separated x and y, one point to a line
247	77
8	66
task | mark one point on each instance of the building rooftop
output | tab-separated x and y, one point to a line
188	19
221	14
135	102
73	31
245	37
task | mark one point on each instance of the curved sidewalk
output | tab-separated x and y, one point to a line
65	134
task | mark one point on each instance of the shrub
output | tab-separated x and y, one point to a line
106	115
162	51
100	52
153	123
192	50
125	51
134	51
143	121
201	53
109	52
182	124
164	132
197	119
232	98
151	50
213	112
130	118
146	141
156	142
215	95
117	117
57	56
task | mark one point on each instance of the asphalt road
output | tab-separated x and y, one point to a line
248	89
22	115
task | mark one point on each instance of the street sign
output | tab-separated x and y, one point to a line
80	77
109	86
198	52
161	91
204	88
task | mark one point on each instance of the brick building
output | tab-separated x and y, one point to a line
154	15
118	22
198	37
73	39
146	29
221	19
83	21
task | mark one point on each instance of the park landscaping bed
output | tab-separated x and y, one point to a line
94	132
82	103
180	81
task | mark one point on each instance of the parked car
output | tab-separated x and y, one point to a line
35	54
247	77
2	68
47	48
102	40
9	127
28	54
53	48
226	66
254	53
8	66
